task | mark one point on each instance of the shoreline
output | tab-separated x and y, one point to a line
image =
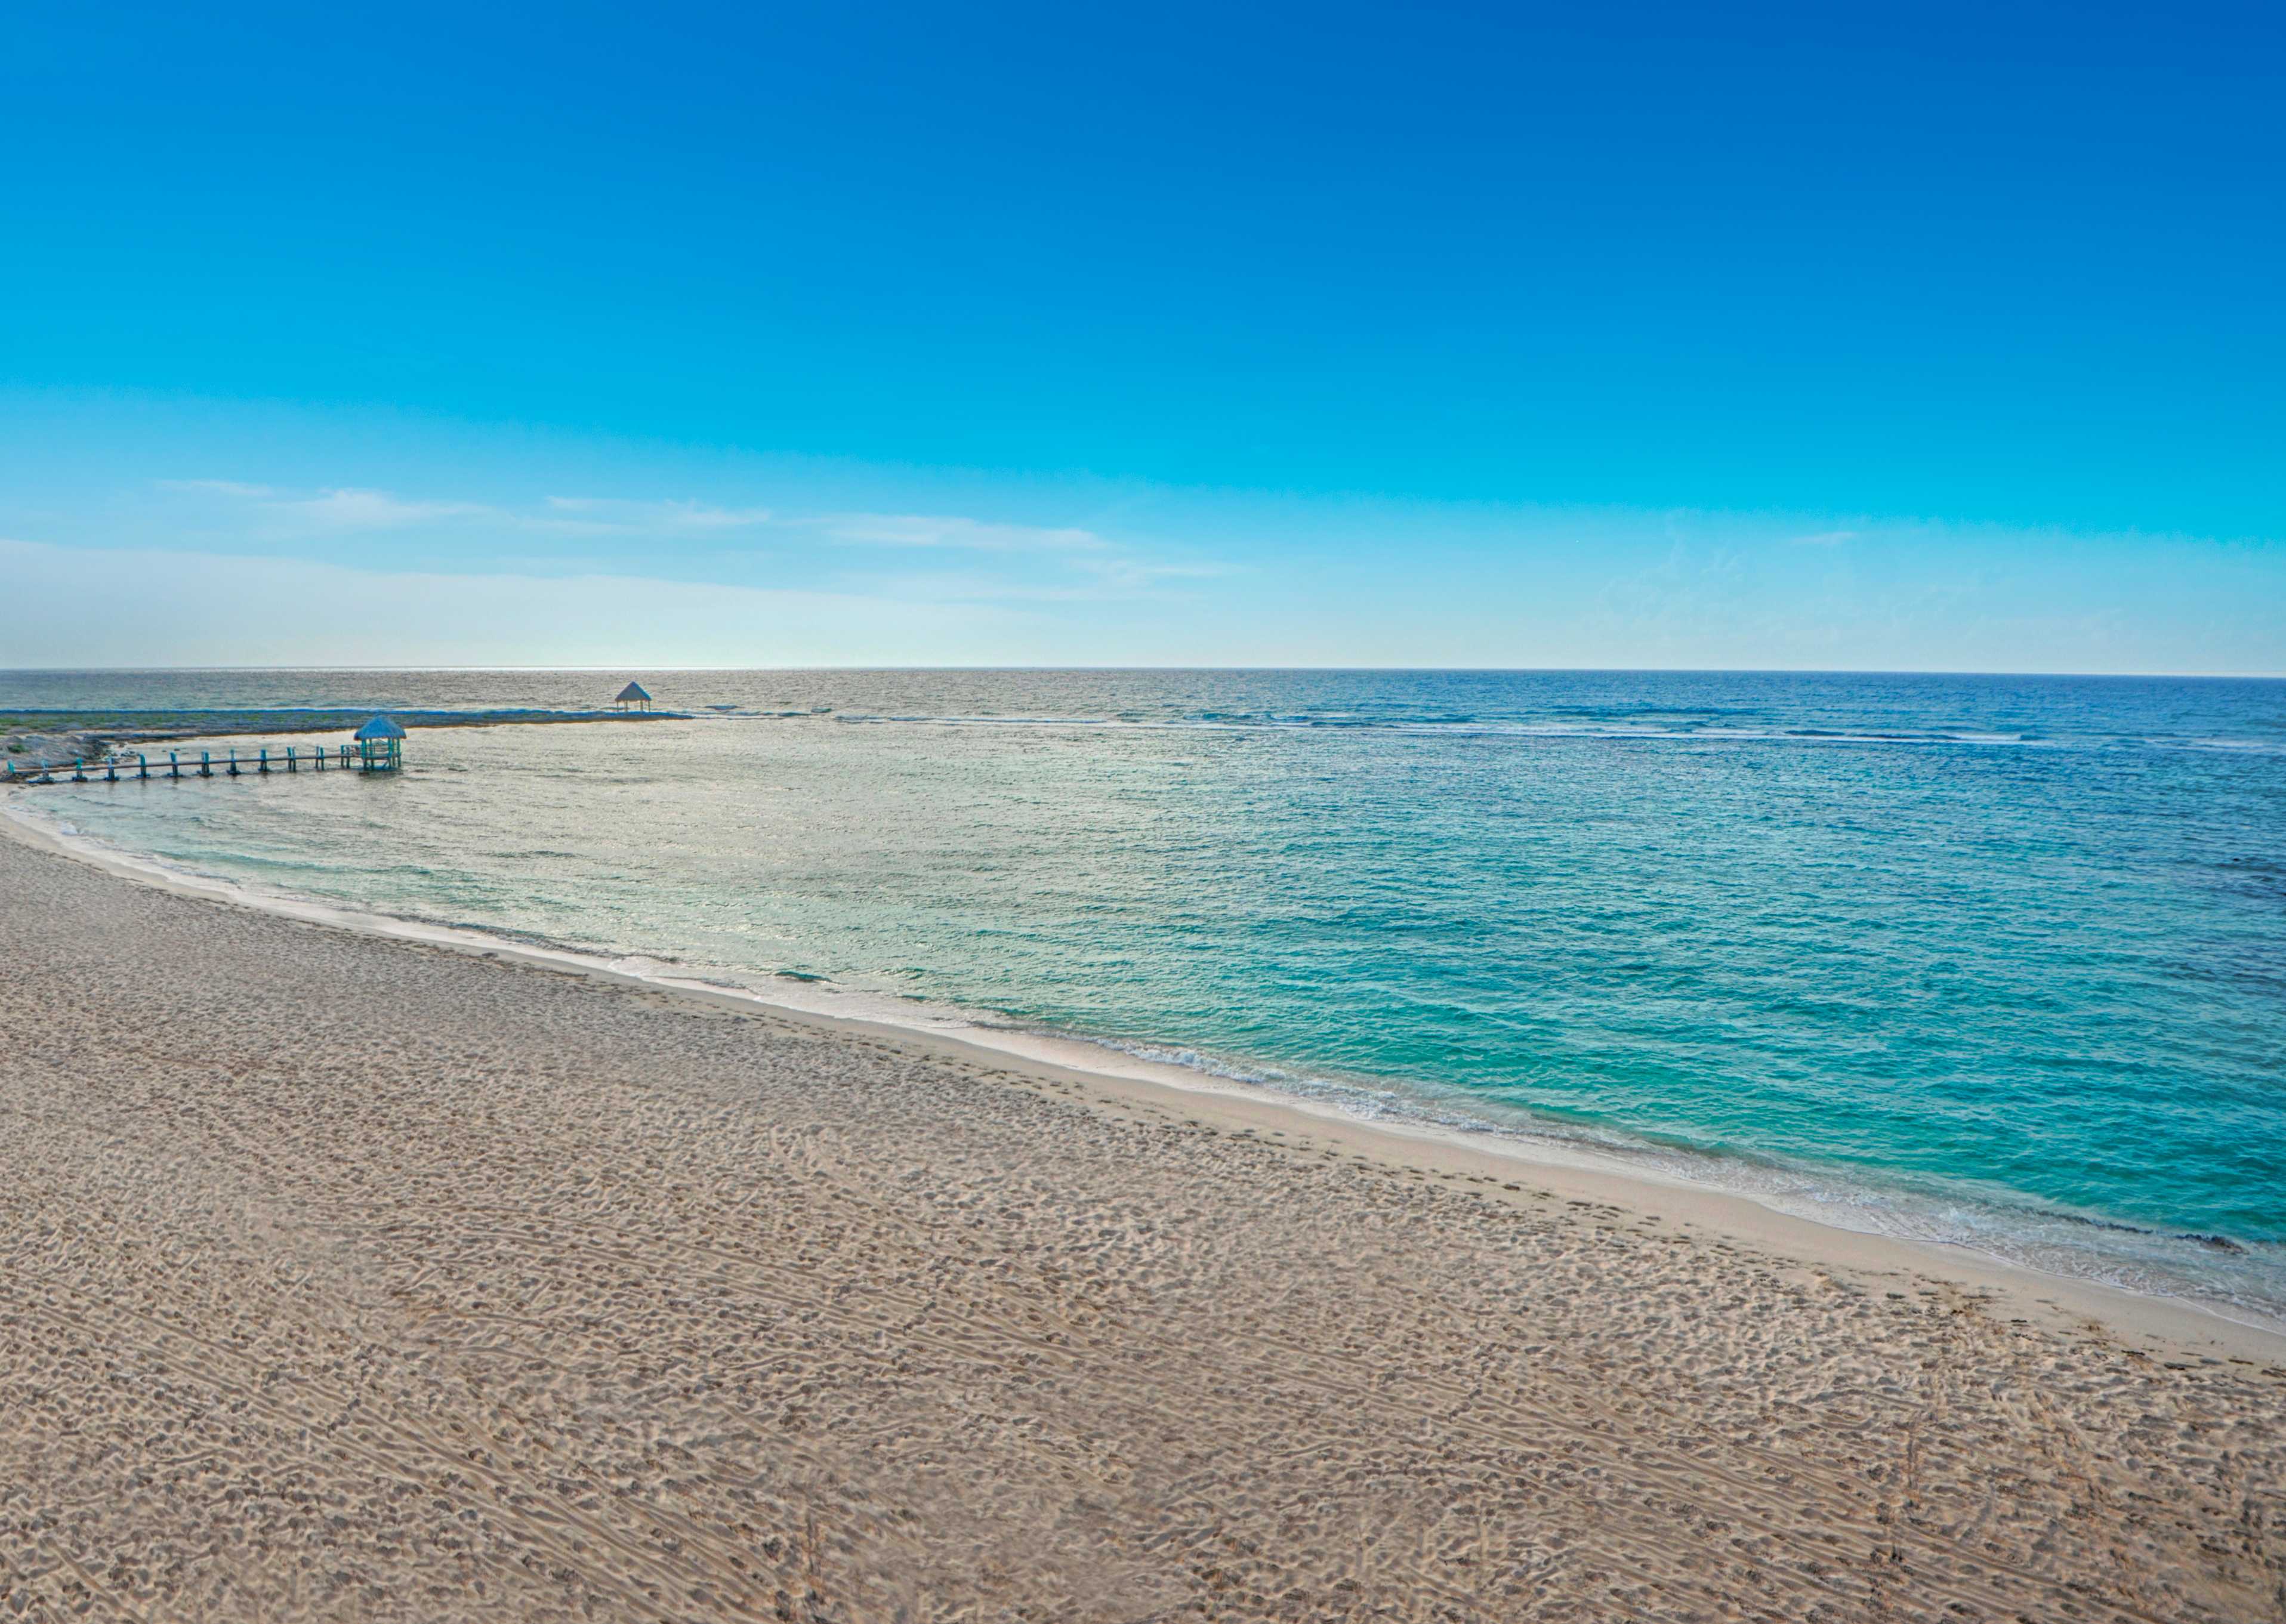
438	1282
2149	1320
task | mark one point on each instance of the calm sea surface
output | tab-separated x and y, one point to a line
1999	961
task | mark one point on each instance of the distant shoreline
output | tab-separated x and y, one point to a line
1933	672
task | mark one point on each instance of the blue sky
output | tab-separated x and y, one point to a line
1923	336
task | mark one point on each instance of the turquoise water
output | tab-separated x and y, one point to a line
1993	960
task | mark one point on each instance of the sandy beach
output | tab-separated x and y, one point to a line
346	1278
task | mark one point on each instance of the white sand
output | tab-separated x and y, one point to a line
345	1278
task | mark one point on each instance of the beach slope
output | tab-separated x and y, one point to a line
344	1278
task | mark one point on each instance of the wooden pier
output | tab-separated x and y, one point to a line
376	747
229	764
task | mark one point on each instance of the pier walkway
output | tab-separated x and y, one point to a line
210	764
375	747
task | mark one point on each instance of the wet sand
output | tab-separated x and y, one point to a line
345	1278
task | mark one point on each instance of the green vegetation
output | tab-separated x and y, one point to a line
97	721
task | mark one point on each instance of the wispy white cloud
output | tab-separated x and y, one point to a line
1127	573
940	530
1011	561
670	514
216	487
355	507
356	510
180	608
1014	563
1825	538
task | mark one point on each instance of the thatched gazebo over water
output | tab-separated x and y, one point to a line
381	745
632	698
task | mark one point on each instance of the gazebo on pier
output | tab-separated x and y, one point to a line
632	697
381	745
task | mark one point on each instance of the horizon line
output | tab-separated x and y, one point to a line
1389	670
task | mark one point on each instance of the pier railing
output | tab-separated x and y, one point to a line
118	765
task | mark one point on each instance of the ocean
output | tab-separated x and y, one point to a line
1993	961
